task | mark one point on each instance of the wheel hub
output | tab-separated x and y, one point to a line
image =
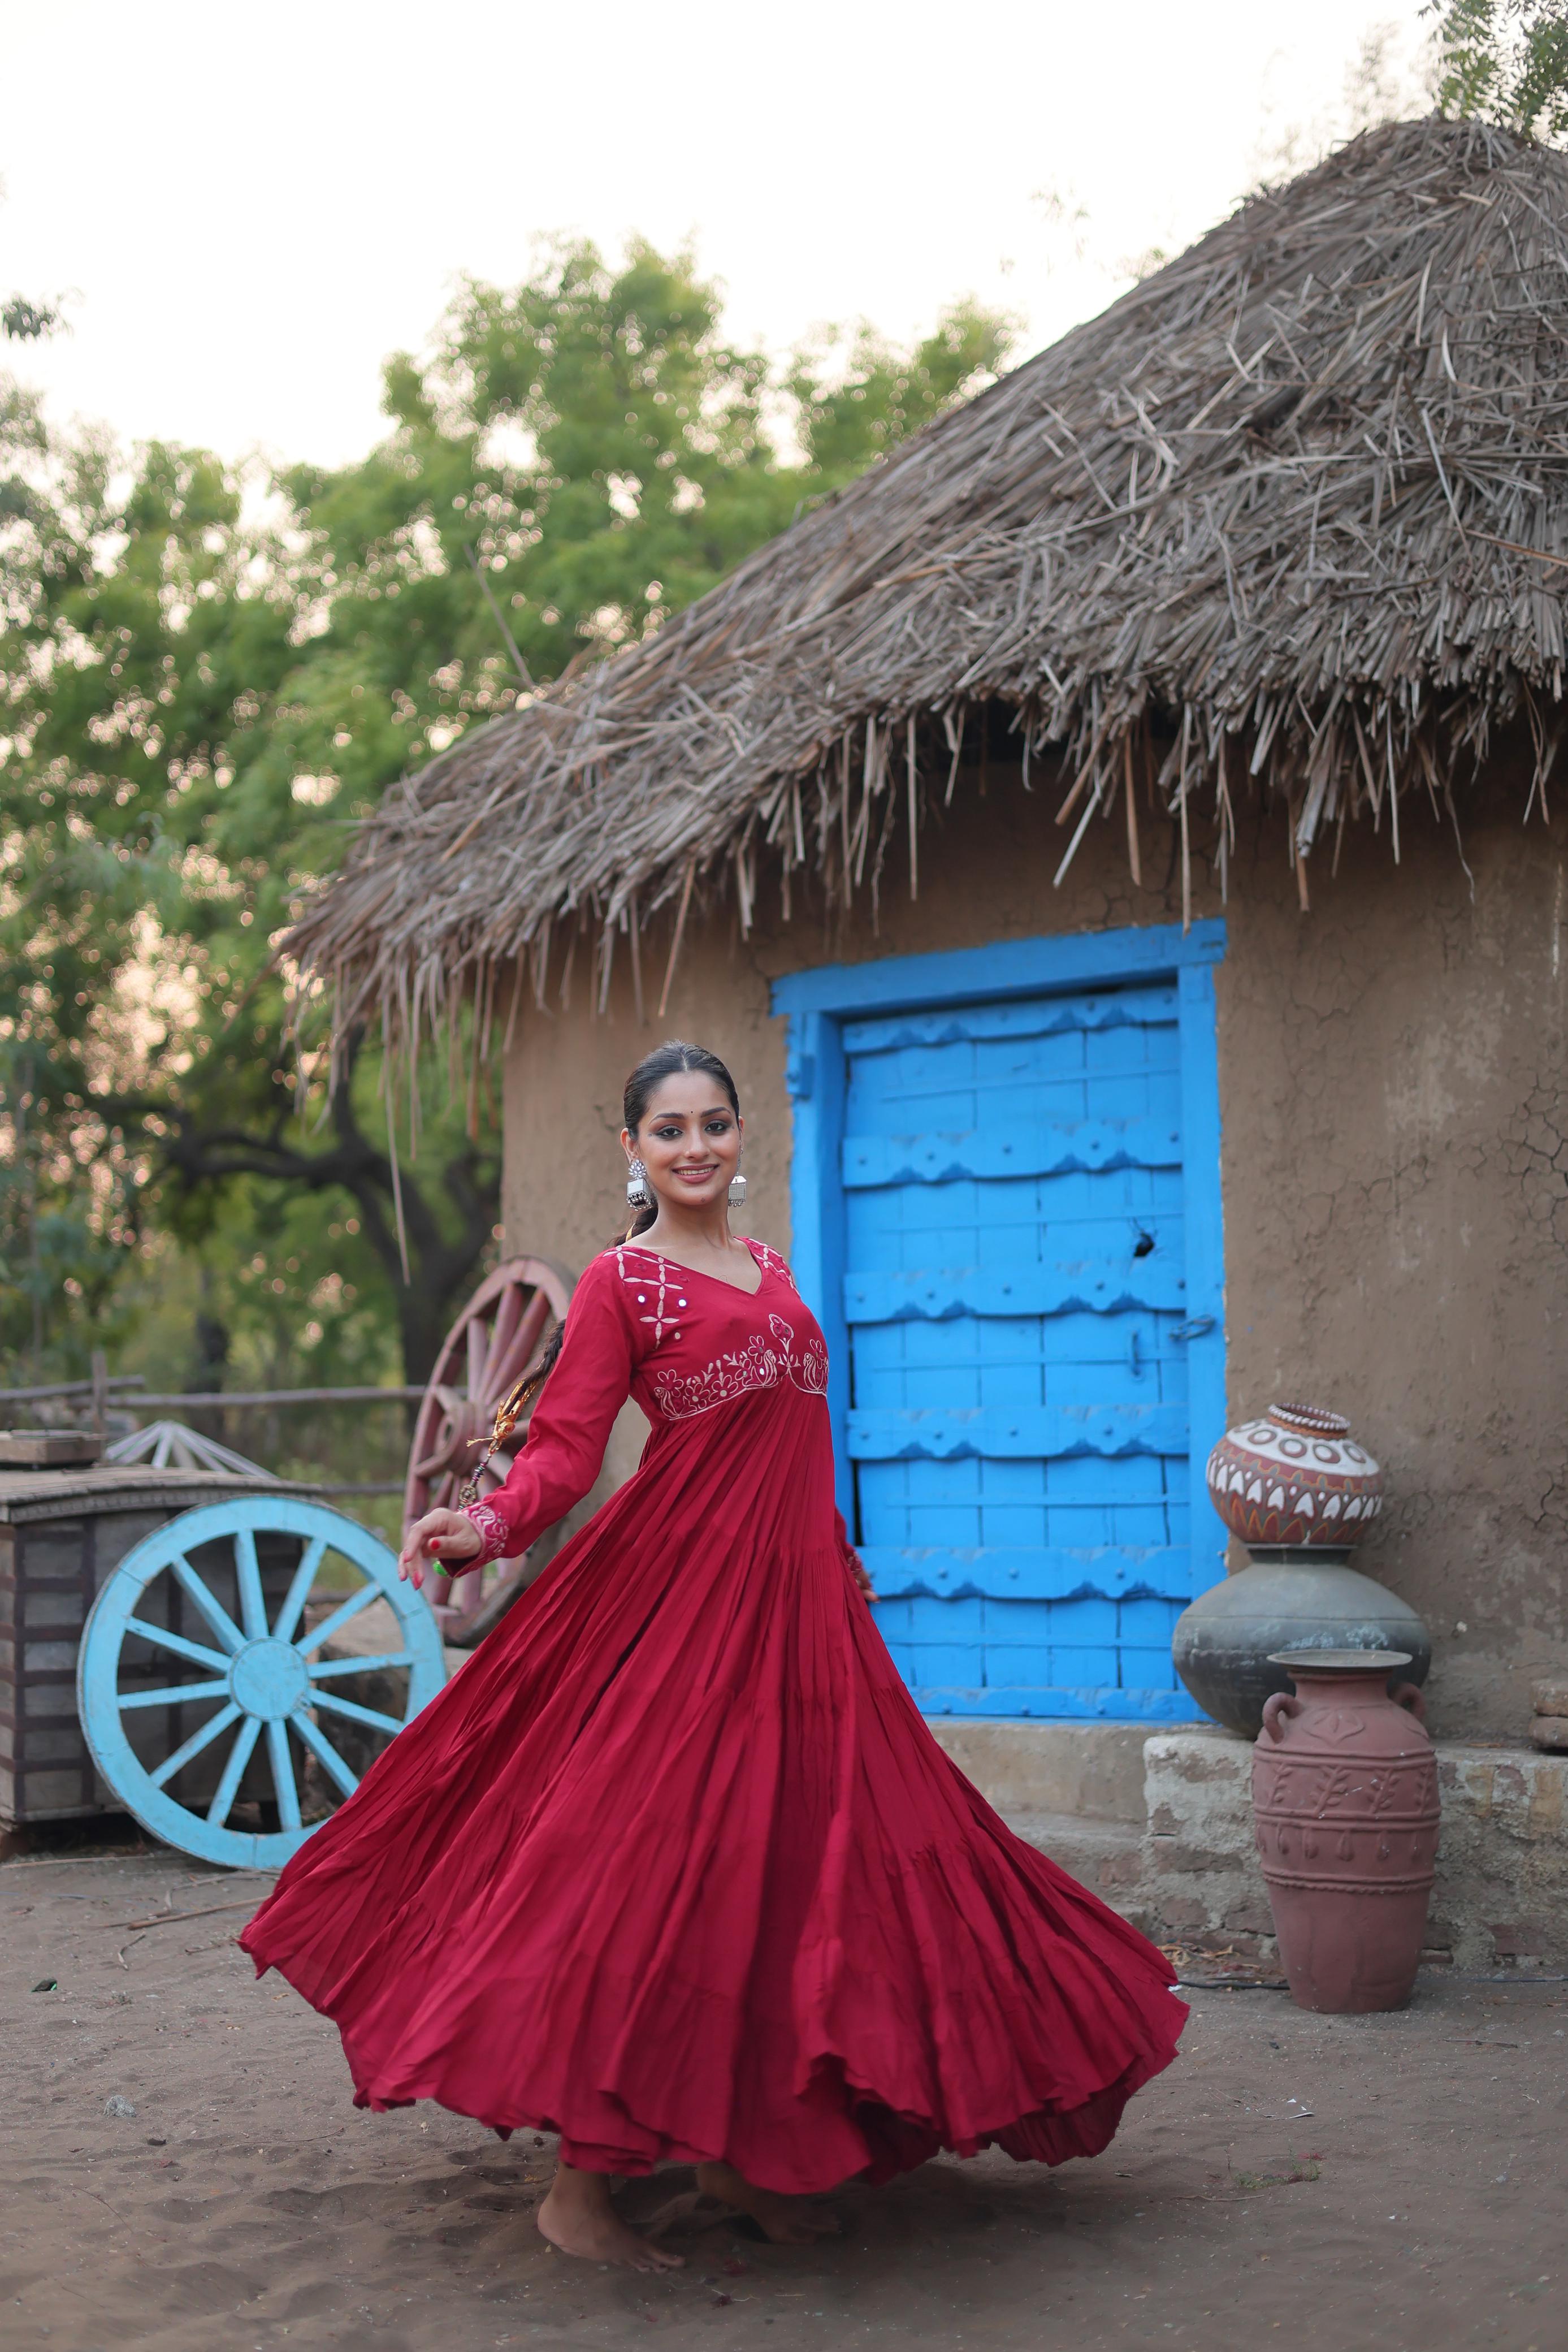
268	1679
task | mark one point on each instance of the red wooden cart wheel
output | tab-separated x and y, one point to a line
497	1338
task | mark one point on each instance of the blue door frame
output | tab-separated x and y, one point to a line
819	1004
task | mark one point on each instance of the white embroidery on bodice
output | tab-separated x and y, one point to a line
659	1299
659	1296
653	1287
762	1363
773	1263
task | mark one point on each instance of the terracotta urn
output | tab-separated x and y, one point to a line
1295	1477
1345	1801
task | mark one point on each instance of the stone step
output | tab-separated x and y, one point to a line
1089	1771
1104	1857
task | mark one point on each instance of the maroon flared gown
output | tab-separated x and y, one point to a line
673	1866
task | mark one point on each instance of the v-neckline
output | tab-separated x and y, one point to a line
675	1266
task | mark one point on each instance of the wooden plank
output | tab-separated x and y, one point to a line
1014	1433
225	1400
1018	1572
1095	1286
814	1073
1003	967
1028	1148
1039	1017
1053	1704
1205	1263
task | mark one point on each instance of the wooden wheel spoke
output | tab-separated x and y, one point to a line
354	1712
320	1671
434	1465
298	1591
247	1575
525	1346
326	1755
172	1695
339	1618
227	1789
477	1340
284	1786
163	1639
209	1731
212	1608
508	1315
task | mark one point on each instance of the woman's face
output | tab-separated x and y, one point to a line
689	1141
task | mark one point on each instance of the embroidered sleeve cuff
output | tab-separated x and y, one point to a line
492	1534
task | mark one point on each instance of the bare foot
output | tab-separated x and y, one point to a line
578	2218
788	2221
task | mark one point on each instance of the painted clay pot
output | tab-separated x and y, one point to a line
1299	1491
1308	1598
1295	1477
1345	1801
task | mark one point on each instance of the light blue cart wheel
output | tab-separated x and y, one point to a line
216	1599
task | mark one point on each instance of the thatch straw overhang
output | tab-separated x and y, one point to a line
1289	517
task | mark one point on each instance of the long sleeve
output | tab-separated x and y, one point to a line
571	1422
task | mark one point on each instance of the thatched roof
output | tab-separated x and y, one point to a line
1292	510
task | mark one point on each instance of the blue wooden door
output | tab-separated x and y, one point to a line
1015	1291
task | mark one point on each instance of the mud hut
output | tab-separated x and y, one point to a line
1115	845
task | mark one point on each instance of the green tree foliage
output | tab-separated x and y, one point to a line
847	413
205	677
25	322
1506	61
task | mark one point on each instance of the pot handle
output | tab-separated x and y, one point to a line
1405	1694
1283	1703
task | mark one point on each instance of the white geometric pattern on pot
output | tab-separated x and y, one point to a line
1296	1477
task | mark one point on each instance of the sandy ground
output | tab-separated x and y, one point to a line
1397	2182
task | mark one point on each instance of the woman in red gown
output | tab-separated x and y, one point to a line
674	1867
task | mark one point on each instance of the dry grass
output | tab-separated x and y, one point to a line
1289	517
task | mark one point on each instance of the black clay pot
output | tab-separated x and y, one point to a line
1289	1597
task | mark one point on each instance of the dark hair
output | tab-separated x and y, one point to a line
669	1060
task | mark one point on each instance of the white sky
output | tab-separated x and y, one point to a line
250	207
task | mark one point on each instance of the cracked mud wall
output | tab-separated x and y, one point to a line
1396	1153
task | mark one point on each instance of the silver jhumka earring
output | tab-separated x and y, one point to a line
737	1195
638	1196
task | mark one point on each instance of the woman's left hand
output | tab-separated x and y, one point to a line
858	1570
448	1538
